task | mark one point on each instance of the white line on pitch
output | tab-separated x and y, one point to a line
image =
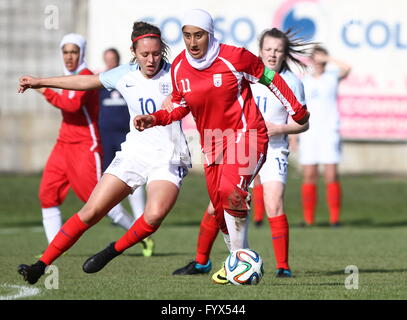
23	292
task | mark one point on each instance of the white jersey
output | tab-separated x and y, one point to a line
321	94
158	145
321	143
272	109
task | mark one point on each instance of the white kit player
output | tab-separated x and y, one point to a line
158	157
321	143
277	48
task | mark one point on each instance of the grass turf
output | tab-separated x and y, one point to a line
372	238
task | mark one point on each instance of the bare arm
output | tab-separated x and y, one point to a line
291	127
76	82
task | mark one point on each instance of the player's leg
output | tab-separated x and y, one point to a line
84	171
162	192
309	192
333	192
208	231
109	191
137	202
258	202
53	189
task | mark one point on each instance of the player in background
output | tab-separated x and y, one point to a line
212	81
114	124
320	145
75	160
159	157
277	49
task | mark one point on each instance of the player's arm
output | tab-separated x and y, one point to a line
159	118
291	127
69	104
282	91
76	82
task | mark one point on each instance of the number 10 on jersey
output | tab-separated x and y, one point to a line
148	107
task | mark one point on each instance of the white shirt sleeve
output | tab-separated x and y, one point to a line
110	78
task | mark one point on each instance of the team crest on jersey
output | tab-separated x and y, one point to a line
165	88
217	80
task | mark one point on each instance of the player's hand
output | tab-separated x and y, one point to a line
27	82
273	129
167	104
142	122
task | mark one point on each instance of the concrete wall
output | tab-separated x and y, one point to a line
30	32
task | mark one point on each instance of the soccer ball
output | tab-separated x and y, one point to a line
244	266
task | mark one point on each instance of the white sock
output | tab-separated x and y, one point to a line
237	228
52	221
226	237
121	217
137	202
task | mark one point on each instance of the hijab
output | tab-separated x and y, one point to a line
80	41
202	19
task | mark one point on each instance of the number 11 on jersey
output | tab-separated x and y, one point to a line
186	85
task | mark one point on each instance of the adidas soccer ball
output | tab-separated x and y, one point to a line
244	266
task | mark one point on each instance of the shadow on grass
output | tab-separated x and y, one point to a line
342	272
361	223
23	224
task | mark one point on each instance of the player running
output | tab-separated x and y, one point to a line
158	157
276	49
75	161
212	81
114	124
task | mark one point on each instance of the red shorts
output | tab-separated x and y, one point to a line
70	165
228	180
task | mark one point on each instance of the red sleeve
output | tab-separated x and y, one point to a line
65	103
251	65
283	92
163	117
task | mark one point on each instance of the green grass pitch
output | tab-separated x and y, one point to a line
372	238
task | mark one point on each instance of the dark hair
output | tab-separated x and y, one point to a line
293	46
141	28
115	52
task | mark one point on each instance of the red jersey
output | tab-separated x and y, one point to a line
219	97
80	112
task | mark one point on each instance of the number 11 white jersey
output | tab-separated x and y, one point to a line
158	145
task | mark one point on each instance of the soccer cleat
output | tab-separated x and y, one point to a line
258	224
335	225
219	277
98	261
32	273
148	247
194	268
283	273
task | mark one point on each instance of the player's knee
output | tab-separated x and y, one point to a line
89	214
234	199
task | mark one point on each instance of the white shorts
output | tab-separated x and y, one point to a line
321	149
135	173
276	166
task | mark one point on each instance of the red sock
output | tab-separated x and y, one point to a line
138	231
207	234
69	233
333	191
309	201
279	236
258	203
